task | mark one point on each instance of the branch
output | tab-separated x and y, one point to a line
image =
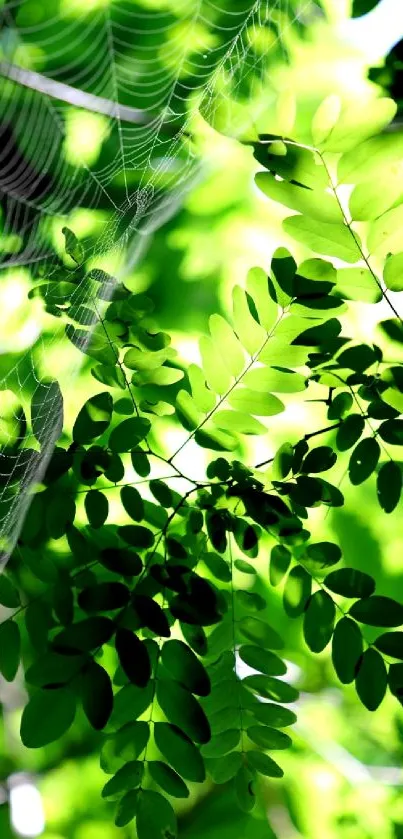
73	95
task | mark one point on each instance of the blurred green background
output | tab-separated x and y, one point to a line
343	776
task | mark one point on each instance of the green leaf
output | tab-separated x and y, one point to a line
357	284
294	163
93	418
297	591
325	118
10	649
133	656
103	597
130	703
350	583
363	460
378	611
277	379
183	710
389	485
347	649
9	595
391	432
227	344
238	421
257	286
319	620
262	660
167	779
390	643
280	559
363	7
217	566
395	680
268	738
132	502
221	743
223	768
259	632
371	159
72	246
317	205
273	715
371	680
282	461
329	239
155	818
97	695
357	358
264	764
251	335
47	716
350	432
255	402
127	808
47	412
384	233
393	272
96	507
129	433
270	688
179	751
184	666
368	202
127	777
217	375
245	789
54	669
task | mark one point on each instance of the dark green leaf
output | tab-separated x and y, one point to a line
47	716
133	656
223	768
268	738
10	646
390	643
183	710
167	779
347	649
264	764
121	561
319	620
179	751
132	502
96	507
47	412
274	715
350	583
391	432
245	789
127	808
9	596
129	433
270	688
378	611
319	459
259	632
151	615
84	635
350	432
363	460
136	535
155	817
262	660
371	680
179	659
127	777
103	597
97	695
389	485
280	559
93	418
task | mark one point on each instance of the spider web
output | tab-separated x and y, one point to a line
150	69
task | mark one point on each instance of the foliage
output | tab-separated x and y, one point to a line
144	623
